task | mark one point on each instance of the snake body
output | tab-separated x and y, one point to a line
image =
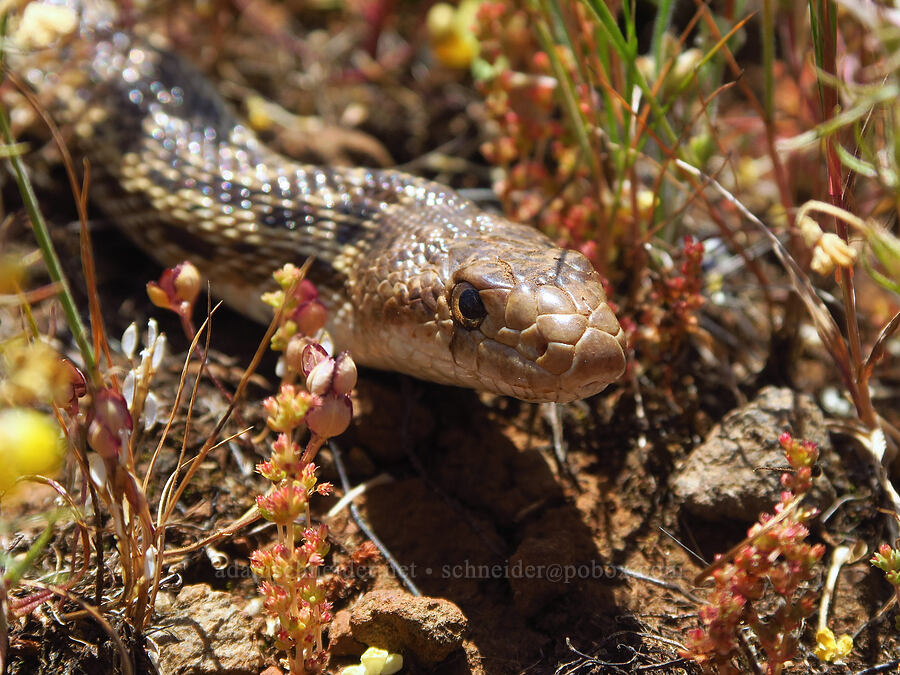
416	278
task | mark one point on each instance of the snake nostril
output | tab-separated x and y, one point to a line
557	359
532	344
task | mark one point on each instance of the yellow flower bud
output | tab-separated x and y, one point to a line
30	443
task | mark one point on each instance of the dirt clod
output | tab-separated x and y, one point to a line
430	628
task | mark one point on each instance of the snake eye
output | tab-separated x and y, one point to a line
466	305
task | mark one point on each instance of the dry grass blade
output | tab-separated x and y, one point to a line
175	405
880	345
250	517
242	385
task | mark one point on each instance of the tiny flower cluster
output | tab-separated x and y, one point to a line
136	388
290	499
829	250
302	312
376	661
115	413
671	314
887	559
450	32
293	591
830	648
774	559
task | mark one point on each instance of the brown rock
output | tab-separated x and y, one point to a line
721	480
430	628
206	633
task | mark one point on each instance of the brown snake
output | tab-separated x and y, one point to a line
416	278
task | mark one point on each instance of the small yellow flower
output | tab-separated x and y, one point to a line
450	33
30	443
829	250
375	661
829	649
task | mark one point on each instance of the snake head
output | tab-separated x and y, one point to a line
533	323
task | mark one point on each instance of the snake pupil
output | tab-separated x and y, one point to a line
470	305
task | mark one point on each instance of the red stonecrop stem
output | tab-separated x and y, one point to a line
774	563
289	570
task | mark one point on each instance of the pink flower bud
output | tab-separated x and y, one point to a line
261	563
310	317
186	280
102	441
306	291
310	313
111	410
283	504
344	374
308	477
293	353
313	355
331	417
318	382
177	289
110	416
331	376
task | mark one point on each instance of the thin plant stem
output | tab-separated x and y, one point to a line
51	260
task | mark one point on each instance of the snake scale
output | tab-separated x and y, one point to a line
416	278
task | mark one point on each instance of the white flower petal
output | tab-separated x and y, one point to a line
151	411
150	562
152	332
129	340
97	470
128	388
159	351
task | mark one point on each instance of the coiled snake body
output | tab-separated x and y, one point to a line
416	278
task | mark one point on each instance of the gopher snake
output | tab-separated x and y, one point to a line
416	278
